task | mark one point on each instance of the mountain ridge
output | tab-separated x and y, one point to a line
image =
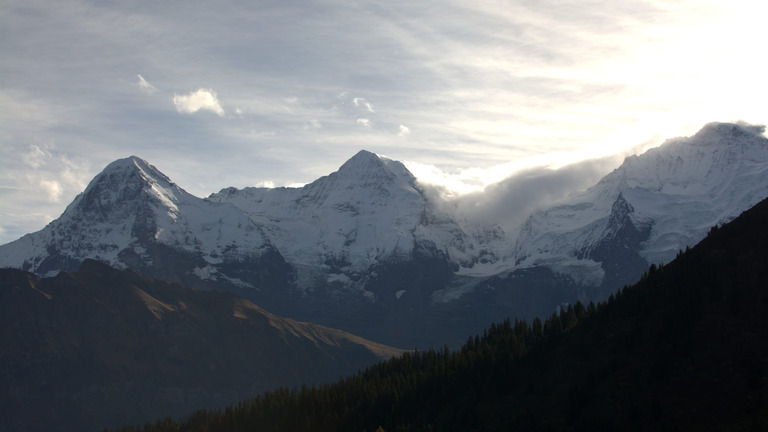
683	348
102	346
677	178
371	239
130	215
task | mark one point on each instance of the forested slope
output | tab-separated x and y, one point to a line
683	349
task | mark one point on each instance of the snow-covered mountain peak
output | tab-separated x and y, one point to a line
371	210
361	162
370	240
699	164
672	195
364	183
125	182
124	216
713	134
366	169
132	170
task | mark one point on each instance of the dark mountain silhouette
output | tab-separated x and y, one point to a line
102	347
683	349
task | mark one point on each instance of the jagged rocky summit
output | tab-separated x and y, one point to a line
132	216
372	250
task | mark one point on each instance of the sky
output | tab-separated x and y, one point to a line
276	93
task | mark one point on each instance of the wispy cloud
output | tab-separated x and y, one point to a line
35	183
483	84
35	156
362	102
144	86
202	99
52	189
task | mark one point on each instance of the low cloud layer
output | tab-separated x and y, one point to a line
510	201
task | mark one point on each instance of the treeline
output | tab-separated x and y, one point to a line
422	390
683	349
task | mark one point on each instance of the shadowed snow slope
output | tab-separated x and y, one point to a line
670	196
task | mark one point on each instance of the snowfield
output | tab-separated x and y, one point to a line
341	228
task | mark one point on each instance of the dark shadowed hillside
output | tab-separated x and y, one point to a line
102	347
683	349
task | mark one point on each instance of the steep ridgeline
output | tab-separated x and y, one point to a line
132	216
649	208
370	213
102	347
369	244
372	250
592	243
682	349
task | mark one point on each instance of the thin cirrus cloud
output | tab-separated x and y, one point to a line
145	86
199	100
